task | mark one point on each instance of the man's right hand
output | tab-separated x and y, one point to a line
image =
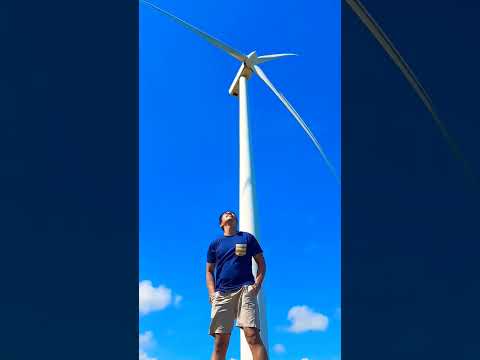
211	296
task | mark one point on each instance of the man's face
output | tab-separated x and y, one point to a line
229	218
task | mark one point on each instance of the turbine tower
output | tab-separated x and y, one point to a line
247	209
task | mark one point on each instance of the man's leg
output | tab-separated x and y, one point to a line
248	320
220	346
224	308
255	342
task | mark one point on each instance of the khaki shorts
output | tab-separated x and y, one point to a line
240	305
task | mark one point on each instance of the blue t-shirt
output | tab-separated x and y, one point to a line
232	256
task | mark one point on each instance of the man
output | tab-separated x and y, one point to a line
232	288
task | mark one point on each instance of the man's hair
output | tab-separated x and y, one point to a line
221	215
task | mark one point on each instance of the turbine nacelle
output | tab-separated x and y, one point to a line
248	67
244	70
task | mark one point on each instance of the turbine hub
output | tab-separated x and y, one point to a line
251	60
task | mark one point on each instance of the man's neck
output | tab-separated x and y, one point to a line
229	230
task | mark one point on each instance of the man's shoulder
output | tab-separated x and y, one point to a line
246	234
216	240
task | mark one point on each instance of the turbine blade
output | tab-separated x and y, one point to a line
215	42
297	117
390	49
265	58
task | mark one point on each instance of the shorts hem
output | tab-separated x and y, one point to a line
218	332
241	326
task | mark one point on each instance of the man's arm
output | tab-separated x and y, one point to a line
262	269
210	280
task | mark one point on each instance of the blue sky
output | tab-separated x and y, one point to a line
189	172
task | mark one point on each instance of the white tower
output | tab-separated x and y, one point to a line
247	206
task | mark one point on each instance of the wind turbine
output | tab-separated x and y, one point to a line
249	65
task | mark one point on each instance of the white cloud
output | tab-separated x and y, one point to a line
154	298
279	348
305	319
145	341
142	355
304	359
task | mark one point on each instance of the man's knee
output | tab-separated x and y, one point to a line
221	343
252	336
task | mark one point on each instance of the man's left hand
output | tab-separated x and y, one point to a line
255	289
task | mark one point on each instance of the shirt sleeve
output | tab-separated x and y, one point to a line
211	254
254	245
